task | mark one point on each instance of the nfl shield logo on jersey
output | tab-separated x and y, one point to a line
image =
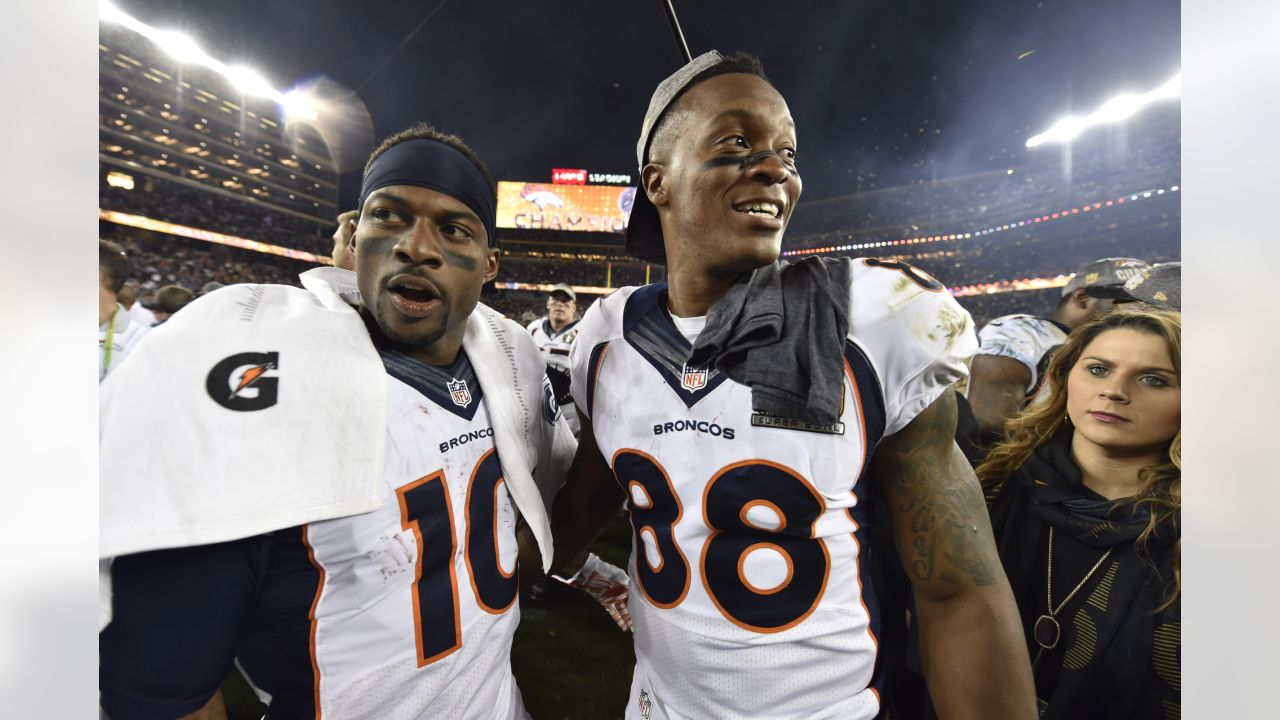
693	378
459	392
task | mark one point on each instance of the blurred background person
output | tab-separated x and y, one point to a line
118	331
1014	349
343	253
169	300
554	334
1085	498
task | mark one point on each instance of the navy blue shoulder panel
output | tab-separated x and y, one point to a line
647	328
454	388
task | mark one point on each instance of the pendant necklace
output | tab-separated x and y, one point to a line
1047	631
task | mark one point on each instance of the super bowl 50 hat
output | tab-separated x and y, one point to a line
644	231
1159	285
566	289
1105	278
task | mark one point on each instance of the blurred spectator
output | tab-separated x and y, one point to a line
554	336
209	287
118	331
169	300
1014	349
343	253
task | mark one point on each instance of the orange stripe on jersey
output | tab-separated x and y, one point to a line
857	557
311	615
412	526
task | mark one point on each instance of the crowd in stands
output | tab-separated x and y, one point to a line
515	268
176	203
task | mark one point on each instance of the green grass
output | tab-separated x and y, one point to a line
570	660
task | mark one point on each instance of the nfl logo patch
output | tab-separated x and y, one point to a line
459	392
693	379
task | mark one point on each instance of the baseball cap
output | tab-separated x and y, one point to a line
566	289
644	231
1159	285
1105	278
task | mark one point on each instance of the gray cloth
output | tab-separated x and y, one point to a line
781	331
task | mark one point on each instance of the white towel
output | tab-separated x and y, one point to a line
214	474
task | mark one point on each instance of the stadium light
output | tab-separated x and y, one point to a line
249	81
182	47
1117	109
185	49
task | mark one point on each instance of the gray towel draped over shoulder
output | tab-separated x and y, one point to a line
781	330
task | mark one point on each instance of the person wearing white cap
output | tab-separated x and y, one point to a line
747	411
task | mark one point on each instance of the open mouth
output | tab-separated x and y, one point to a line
414	296
760	208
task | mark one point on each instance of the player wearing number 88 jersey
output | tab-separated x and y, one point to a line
749	534
746	412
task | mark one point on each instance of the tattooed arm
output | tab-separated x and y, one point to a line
975	659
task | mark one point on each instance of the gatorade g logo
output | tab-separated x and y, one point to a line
241	382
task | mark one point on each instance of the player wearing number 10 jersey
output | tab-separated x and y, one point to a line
436	410
749	590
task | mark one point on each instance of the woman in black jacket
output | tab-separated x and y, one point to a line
1085	498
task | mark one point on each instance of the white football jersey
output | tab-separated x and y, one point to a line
1025	338
412	606
125	332
555	347
749	590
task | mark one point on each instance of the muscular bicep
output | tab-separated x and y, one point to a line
940	522
997	389
177	619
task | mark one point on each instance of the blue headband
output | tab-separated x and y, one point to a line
433	165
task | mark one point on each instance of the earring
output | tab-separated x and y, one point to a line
1066	419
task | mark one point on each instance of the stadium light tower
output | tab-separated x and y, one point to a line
1117	109
183	48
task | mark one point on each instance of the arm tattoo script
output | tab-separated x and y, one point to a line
939	516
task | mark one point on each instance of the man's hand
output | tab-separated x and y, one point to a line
607	584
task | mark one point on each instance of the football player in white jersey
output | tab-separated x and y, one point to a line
554	335
1014	350
118	330
406	611
750	593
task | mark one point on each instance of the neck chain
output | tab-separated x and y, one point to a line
1047	630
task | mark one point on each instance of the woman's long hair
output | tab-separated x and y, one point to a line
1161	484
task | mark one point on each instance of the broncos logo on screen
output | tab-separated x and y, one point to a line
540	196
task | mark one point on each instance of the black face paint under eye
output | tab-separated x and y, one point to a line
463	261
745	162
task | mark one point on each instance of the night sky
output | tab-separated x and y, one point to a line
883	93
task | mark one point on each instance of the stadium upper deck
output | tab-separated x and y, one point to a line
187	125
